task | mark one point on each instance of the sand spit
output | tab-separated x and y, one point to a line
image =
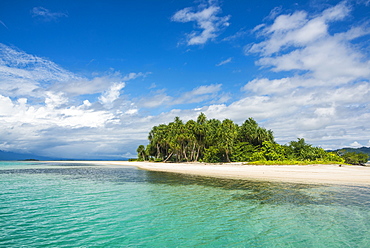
321	174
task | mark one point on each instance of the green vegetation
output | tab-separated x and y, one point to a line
356	158
224	141
293	162
365	150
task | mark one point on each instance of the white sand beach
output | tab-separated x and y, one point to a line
321	174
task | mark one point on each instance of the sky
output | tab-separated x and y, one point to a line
89	79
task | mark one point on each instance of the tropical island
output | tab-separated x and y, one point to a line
223	149
215	141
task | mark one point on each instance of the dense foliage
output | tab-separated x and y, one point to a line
357	158
224	141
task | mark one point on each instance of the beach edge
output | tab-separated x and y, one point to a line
308	174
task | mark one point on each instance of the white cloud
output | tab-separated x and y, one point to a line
46	14
206	19
328	60
206	89
356	145
54	100
158	99
134	75
322	96
98	84
297	30
324	93
200	94
301	42
274	13
226	61
131	111
44	109
52	114
265	86
6	105
23	74
112	94
221	98
84	86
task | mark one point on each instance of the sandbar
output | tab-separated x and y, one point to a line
310	174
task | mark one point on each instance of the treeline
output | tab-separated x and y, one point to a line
363	149
224	141
359	156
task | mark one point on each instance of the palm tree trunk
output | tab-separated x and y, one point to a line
168	157
227	156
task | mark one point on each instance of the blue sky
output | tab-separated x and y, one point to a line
88	79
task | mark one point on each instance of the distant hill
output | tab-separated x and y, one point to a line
13	156
364	149
21	156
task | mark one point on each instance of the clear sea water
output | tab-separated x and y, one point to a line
82	205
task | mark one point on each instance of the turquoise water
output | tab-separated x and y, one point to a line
50	205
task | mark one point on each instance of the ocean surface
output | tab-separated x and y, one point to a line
82	205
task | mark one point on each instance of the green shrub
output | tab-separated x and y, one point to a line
355	158
212	155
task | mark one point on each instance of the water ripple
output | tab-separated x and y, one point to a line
91	206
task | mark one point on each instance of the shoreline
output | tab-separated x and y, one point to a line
307	174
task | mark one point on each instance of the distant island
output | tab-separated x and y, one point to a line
354	155
215	141
14	156
363	149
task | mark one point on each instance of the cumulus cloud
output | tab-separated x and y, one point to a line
112	94
297	29
30	127
54	100
319	90
302	42
356	145
46	14
40	103
324	93
207	20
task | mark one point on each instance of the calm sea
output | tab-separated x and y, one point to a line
82	205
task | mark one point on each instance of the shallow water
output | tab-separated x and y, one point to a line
77	205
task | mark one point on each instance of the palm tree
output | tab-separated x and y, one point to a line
141	152
250	132
228	134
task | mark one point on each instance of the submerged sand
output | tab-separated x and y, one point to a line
322	174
